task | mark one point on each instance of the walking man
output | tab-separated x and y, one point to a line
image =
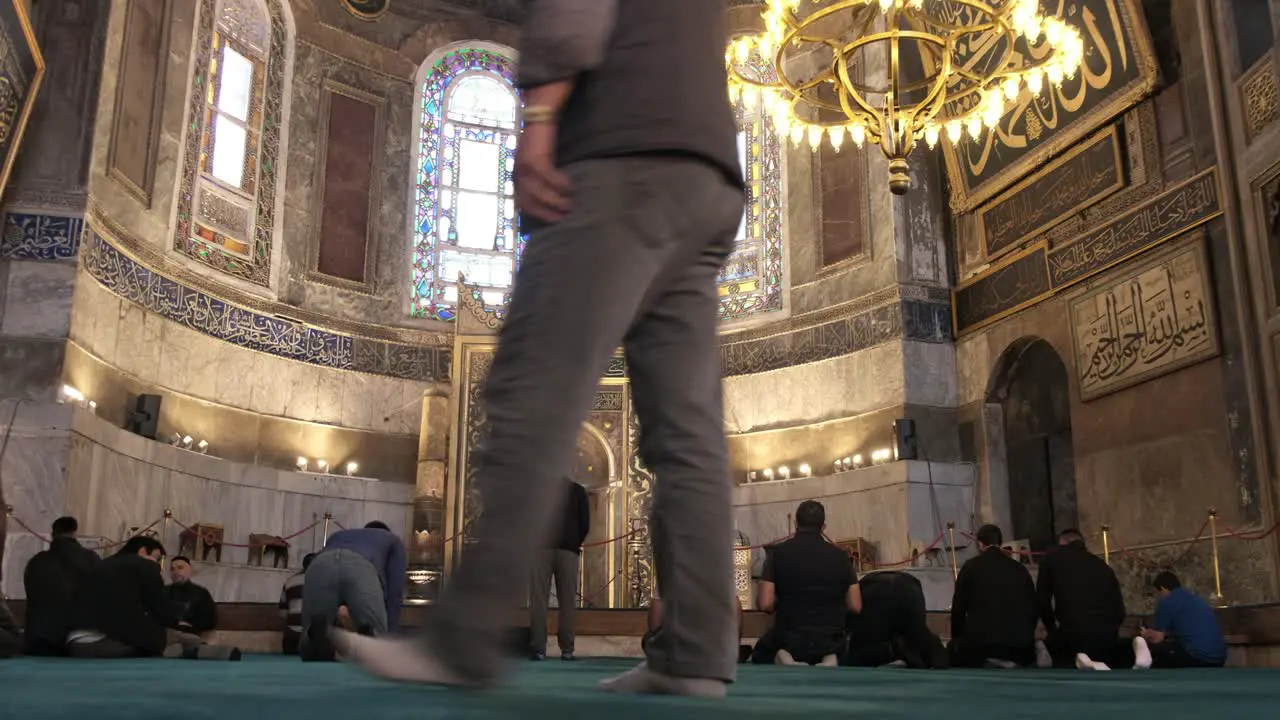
560	561
629	184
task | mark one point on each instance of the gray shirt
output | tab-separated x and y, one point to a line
649	75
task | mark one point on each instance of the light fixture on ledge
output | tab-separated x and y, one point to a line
302	464
969	61
352	467
322	466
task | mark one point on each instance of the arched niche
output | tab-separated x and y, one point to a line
595	468
1031	457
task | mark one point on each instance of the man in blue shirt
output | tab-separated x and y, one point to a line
362	570
1186	632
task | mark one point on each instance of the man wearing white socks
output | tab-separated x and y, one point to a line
1186	632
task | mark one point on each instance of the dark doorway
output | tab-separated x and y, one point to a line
1033	391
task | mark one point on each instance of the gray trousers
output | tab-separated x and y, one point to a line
563	565
634	264
342	577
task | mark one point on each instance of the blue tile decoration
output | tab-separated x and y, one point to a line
30	236
249	329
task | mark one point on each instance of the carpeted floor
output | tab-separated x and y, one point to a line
285	689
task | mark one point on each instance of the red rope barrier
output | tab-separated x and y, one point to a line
212	540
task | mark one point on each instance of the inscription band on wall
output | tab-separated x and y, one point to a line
1030	276
1089	172
1149	322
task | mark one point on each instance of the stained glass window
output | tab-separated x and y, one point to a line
751	281
232	129
465	215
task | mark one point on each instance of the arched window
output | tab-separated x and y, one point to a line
751	282
226	204
464	208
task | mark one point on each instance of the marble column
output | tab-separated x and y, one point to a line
427	555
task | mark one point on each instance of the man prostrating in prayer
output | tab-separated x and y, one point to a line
628	180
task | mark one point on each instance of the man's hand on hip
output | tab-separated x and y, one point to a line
542	191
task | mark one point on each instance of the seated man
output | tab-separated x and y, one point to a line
291	608
193	606
893	627
1186	632
810	585
362	569
51	580
1081	607
994	609
9	633
123	611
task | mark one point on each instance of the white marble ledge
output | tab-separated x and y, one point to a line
210	467
874	477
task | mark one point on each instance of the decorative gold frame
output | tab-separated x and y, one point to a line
350	7
1041	246
1132	19
1195	245
1271	266
33	89
1119	182
328	89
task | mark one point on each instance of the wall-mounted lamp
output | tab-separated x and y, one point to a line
68	394
805	470
352	467
203	447
302	464
322	466
784	472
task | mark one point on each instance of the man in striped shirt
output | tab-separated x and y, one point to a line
291	607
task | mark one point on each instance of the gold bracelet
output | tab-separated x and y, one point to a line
539	114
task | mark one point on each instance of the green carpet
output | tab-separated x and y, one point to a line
285	689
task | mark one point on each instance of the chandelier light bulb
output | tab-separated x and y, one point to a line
749	97
1011	88
797	133
741	50
1035	82
815	137
973	126
885	5
953	131
931	135
1055	74
857	134
836	135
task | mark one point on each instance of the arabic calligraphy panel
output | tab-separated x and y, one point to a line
1119	69
1154	320
1022	281
1091	171
1174	212
21	70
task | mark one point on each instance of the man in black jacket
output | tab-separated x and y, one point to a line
560	561
193	606
994	609
893	625
1081	606
51	580
122	609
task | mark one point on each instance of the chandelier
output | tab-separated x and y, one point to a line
950	68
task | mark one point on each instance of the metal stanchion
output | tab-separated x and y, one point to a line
164	527
1216	599
1106	544
955	568
328	518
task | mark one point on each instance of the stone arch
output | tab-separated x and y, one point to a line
1029	406
595	468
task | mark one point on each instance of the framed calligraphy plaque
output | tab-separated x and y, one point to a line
1018	282
21	71
1119	69
1089	172
1149	322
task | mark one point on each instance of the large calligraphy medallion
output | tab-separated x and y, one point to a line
1119	69
1150	322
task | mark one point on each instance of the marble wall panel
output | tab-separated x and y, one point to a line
930	374
38	299
835	388
167	355
30	368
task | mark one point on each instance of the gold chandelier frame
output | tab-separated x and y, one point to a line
951	98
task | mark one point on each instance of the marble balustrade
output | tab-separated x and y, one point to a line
115	479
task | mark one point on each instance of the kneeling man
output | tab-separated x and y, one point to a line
994	610
362	570
811	585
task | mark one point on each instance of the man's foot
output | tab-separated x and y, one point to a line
784	658
640	680
398	659
904	651
830	661
537	655
1141	654
568	656
1043	659
318	647
999	664
1084	662
896	664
